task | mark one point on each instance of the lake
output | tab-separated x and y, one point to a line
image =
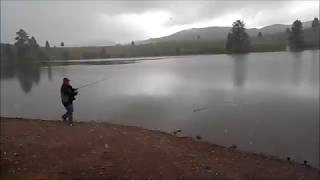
261	102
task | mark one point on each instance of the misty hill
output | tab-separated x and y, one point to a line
216	33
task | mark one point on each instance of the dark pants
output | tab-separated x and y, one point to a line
69	114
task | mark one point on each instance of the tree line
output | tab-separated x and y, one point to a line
238	41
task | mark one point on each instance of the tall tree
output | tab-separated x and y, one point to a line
66	55
22	43
178	51
22	38
315	22
238	40
47	45
103	53
229	42
62	44
33	43
132	43
296	39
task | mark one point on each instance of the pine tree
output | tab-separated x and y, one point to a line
296	39
47	45
315	22
238	40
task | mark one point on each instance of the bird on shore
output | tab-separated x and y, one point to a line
177	131
198	137
233	146
305	163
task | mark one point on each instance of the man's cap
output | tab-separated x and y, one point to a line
66	79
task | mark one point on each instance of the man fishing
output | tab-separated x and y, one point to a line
67	97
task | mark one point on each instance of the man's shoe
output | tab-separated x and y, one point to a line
63	118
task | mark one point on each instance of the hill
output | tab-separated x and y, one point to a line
216	33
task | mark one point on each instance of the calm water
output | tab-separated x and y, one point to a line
262	102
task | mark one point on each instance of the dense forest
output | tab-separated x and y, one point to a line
237	40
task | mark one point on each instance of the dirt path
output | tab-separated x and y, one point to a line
38	149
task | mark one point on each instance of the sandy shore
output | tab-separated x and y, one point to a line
35	149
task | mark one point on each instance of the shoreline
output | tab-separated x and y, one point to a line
157	57
52	150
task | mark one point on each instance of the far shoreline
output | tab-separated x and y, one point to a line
136	59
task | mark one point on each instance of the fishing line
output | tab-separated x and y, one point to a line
92	83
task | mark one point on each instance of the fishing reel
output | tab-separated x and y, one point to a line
75	92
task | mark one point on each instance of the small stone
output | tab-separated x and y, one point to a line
62	172
4	153
15	154
106	146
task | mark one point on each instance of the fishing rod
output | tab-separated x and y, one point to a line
92	83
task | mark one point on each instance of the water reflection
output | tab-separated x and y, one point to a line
27	72
28	75
296	68
251	100
239	71
315	69
49	72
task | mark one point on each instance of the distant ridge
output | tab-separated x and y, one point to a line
216	33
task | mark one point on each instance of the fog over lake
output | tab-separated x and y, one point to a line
262	102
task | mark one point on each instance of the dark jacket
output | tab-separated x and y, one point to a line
67	94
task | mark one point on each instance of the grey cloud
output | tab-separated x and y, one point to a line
80	21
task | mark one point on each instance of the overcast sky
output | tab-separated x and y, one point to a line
83	22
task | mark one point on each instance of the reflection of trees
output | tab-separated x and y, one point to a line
49	72
296	68
26	70
239	75
22	60
28	73
315	68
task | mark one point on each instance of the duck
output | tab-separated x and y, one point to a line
177	131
